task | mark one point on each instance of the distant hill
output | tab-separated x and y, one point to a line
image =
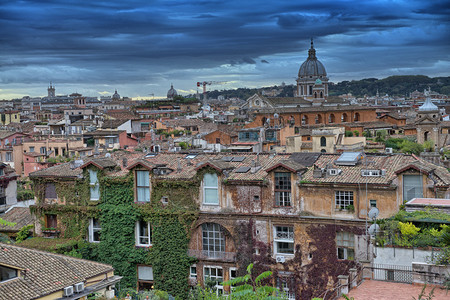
393	85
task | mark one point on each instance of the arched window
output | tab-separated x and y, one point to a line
318	119
323	151
213	238
357	117
426	136
323	142
315	94
310	90
331	118
304	120
321	94
344	117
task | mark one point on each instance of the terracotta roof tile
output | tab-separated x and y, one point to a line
44	272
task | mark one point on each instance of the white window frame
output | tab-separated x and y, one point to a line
213	188
283	237
372	173
93	186
284	287
139	235
345	244
92	230
342	199
193	275
230	277
218	286
143	187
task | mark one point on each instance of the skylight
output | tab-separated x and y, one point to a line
348	159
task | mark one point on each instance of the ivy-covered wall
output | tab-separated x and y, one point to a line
171	225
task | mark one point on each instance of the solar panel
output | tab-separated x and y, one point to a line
238	158
242	170
227	158
150	155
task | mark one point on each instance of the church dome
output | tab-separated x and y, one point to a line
312	66
428	106
172	92
116	96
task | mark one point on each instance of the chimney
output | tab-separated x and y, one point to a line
124	162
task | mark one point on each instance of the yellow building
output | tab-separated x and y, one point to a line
9	116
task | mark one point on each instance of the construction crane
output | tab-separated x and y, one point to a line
204	84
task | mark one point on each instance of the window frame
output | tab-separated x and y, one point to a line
283	195
343	203
193	275
93	185
215	245
405	192
279	239
143	187
145	281
345	246
205	188
218	286
93	229
139	234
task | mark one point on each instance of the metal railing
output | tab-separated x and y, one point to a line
213	255
392	273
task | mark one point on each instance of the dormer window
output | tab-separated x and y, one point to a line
283	189
94	185
370	172
210	189
143	186
334	172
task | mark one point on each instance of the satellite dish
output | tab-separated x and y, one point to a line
373	213
108	155
374	228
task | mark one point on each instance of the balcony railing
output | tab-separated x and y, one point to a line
213	255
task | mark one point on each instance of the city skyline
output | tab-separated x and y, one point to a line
140	48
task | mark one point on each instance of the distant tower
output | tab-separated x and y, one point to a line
172	93
312	81
428	122
51	91
115	96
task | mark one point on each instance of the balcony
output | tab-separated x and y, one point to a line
213	255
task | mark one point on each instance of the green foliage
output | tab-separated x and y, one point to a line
350	208
24	233
24	195
408	229
348	133
244	287
381	136
355	132
6	223
423	296
416	229
428	146
411	147
169	253
183	145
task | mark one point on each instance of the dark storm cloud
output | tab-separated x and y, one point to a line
139	41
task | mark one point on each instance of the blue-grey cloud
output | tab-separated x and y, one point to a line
132	43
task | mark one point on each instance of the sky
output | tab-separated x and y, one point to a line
141	47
